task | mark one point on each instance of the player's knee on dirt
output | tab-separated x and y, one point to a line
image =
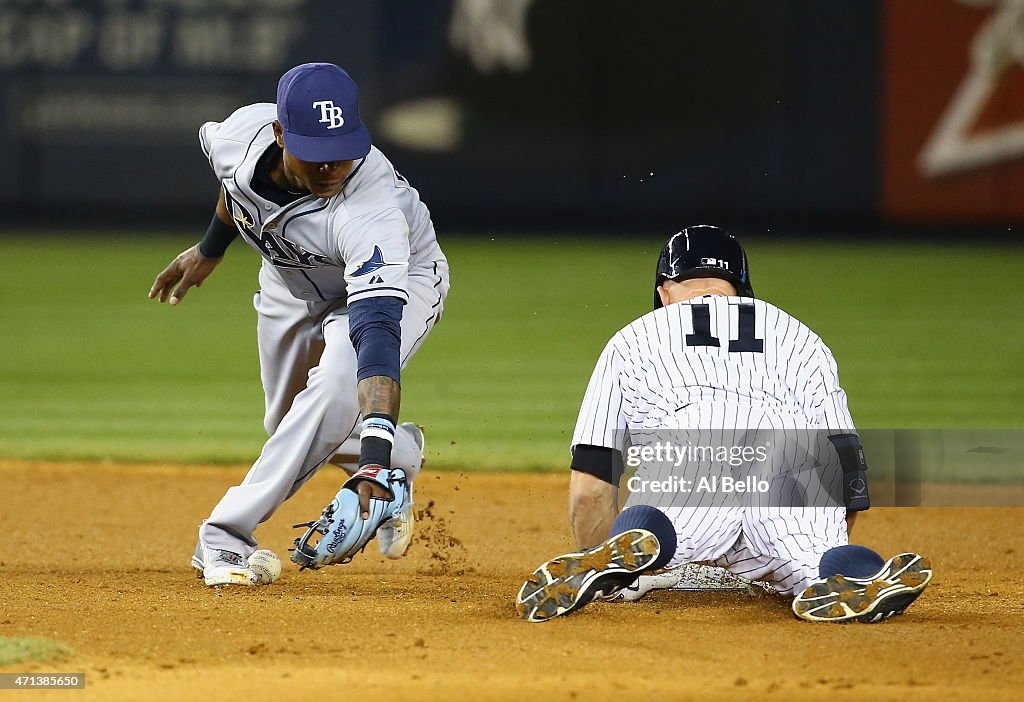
851	560
654	521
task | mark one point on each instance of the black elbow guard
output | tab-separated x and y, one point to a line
855	466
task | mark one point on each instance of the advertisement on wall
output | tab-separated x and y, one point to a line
953	114
531	113
101	99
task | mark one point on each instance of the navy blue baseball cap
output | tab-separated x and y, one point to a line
318	108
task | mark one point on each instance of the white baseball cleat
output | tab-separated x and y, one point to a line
226	568
395	535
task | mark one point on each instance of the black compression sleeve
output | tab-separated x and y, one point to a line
217	239
599	461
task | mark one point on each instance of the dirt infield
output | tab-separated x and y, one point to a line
97	557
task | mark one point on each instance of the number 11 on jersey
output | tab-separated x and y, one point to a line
702	335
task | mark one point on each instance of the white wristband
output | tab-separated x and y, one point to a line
378	427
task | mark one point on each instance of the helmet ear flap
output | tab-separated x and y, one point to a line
746	290
662	272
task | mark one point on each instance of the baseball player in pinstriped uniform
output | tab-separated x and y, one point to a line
351	283
714	366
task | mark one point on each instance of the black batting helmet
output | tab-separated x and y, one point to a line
703	251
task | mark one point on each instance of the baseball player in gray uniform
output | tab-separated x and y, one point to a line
741	387
352	281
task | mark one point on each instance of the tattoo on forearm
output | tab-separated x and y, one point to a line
380	393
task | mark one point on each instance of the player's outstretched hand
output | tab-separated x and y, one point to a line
189	268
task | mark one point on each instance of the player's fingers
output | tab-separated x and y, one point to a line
158	284
163	283
179	292
365	490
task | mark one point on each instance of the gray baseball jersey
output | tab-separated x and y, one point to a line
374	238
360	243
715	368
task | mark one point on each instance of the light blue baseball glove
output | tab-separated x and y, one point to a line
341	532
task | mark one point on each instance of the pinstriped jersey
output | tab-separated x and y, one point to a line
361	243
742	355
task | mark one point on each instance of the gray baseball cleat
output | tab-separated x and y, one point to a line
888	592
395	535
226	568
566	583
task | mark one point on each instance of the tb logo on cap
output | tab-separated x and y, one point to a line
329	114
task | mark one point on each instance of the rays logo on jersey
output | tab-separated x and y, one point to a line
276	249
373	264
242	217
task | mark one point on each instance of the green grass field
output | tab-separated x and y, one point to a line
925	336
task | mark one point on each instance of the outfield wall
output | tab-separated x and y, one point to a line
539	112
